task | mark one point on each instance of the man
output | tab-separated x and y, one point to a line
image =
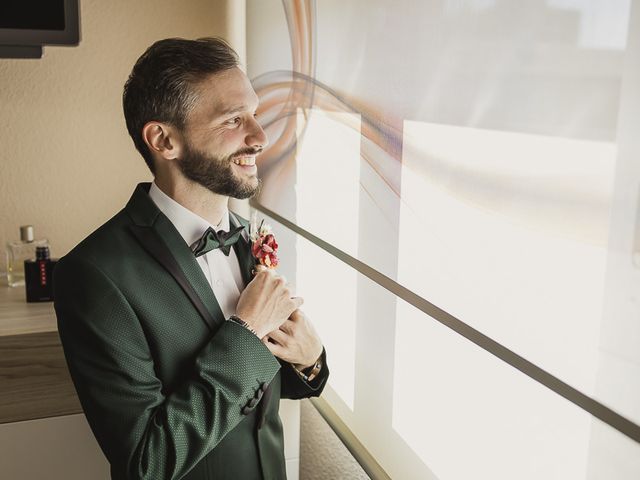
181	351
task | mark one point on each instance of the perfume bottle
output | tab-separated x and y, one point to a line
18	252
39	276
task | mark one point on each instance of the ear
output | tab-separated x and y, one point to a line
162	140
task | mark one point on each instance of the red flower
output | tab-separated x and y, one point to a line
265	249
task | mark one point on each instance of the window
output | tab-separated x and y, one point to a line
481	155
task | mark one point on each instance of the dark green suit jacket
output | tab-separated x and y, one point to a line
170	389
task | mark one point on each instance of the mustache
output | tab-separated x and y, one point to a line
247	151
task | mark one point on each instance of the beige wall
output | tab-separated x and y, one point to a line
67	163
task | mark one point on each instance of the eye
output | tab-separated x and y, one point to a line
233	121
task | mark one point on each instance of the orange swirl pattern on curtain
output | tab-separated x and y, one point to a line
283	93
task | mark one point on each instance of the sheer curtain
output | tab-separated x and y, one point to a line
483	155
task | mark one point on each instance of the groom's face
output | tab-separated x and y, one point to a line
222	136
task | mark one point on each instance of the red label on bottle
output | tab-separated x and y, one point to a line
43	272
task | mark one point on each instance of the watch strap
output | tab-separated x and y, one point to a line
239	321
309	373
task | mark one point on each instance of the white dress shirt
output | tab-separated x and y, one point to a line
222	272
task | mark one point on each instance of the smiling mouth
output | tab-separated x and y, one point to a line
245	161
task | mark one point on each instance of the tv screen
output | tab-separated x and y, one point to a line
32	15
39	22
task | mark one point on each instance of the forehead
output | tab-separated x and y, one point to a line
221	92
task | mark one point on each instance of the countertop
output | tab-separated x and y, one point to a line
17	317
34	380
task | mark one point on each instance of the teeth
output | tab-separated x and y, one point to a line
245	161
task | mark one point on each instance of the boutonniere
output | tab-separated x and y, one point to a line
264	247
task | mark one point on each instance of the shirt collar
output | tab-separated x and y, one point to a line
190	225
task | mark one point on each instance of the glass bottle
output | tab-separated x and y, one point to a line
39	276
18	252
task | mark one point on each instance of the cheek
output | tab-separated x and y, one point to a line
227	143
214	150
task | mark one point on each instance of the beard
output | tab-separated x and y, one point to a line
216	173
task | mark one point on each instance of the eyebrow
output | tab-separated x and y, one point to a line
243	107
236	109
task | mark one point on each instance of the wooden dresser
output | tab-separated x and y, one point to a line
34	380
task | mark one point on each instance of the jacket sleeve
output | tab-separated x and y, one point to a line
294	387
144	431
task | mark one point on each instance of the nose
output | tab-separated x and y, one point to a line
256	137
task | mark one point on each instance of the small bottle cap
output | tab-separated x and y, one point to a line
26	233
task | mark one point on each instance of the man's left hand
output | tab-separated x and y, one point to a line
296	341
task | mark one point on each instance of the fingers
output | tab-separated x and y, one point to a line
274	289
280	287
279	336
263	268
297	315
259	268
287	327
279	281
277	350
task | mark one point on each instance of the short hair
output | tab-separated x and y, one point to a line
161	86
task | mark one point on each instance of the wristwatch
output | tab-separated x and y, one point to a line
311	372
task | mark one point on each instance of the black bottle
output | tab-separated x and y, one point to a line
38	276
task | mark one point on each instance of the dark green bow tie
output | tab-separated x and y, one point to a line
211	240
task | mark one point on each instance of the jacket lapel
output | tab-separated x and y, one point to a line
162	241
243	248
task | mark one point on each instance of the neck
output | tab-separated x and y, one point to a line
193	196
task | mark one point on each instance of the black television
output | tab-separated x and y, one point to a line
27	25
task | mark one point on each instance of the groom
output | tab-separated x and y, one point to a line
179	345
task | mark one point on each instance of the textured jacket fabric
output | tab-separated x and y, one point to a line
170	389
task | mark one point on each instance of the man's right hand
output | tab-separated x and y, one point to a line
266	302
